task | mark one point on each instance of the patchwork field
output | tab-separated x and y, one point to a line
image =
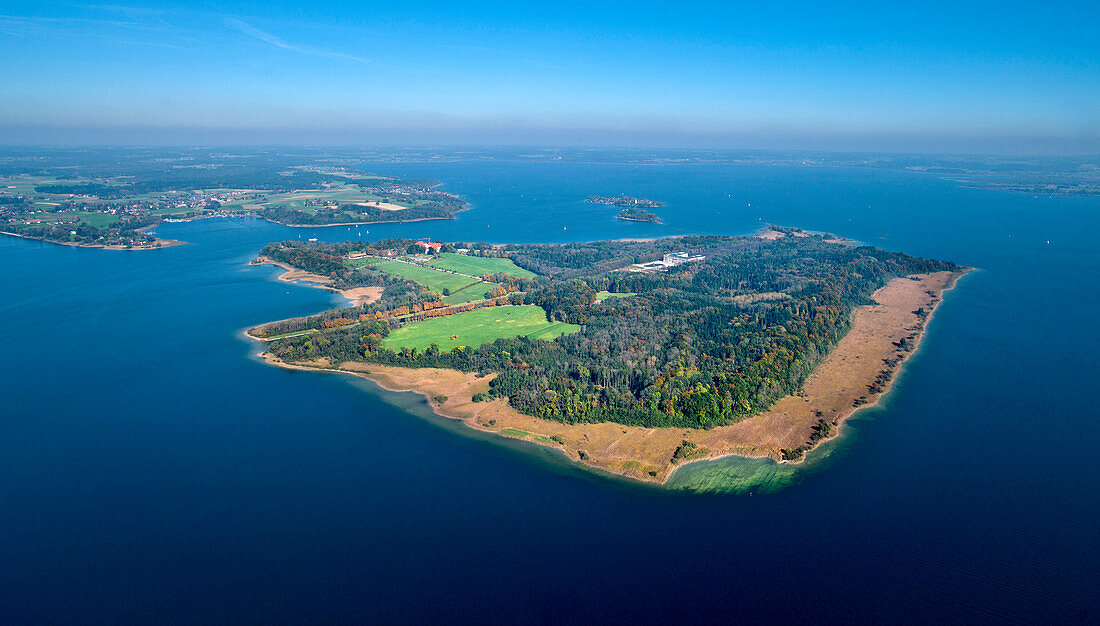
461	288
474	328
476	266
432	279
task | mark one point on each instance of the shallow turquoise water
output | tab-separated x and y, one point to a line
152	468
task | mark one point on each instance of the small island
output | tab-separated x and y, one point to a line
626	201
634	357
638	215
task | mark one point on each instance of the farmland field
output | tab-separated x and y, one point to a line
476	327
604	295
95	219
432	279
476	266
477	291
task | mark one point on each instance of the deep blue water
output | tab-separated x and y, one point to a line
152	468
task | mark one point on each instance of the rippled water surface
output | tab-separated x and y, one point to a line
153	468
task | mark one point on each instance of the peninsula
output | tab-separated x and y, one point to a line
634	357
111	199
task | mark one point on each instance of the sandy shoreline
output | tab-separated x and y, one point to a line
830	393
355	295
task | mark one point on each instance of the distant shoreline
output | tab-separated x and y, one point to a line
419	219
157	244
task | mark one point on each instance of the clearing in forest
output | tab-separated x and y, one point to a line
476	266
476	327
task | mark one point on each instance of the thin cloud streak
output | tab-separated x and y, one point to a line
278	42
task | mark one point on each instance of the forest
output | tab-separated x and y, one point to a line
638	215
690	349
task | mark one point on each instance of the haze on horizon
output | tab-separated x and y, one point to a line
1010	77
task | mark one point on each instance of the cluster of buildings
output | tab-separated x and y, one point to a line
200	199
669	260
430	245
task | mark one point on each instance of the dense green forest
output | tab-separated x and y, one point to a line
684	351
638	215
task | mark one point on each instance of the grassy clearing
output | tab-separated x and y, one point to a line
363	262
96	219
434	280
462	289
604	295
476	327
513	432
476	266
344	194
477	291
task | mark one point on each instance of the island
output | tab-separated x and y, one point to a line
112	199
638	215
633	357
626	201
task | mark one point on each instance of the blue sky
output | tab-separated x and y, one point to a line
935	77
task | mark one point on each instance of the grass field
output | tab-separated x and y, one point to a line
344	194
474	328
96	219
462	289
476	266
432	279
477	291
367	261
604	295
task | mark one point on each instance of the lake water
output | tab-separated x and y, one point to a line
153	468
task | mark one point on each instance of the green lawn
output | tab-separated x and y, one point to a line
434	280
604	295
97	219
476	291
476	266
476	327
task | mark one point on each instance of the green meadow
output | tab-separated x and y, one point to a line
95	219
434	280
476	266
461	288
476	327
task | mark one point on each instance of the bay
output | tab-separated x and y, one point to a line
152	468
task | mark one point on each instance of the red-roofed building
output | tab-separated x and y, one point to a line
433	245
